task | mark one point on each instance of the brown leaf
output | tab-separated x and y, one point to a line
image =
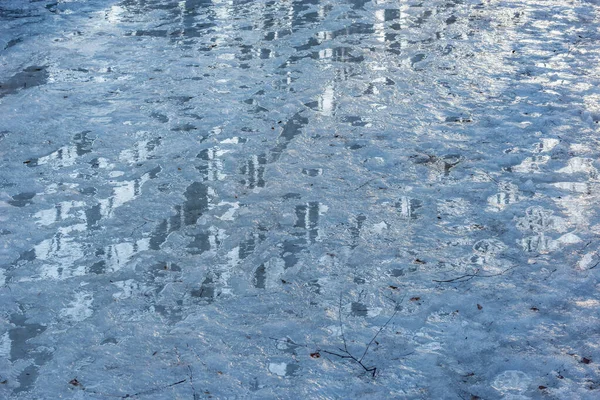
315	355
541	387
586	360
74	382
419	261
393	287
534	309
416	298
479	307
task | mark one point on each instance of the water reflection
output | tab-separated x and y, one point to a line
207	241
408	207
508	193
66	156
212	169
253	171
542	225
327	96
124	192
60	212
30	77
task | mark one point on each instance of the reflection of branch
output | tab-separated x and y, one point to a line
149	391
191	375
468	277
396	309
365	184
345	353
74	382
372	370
342	325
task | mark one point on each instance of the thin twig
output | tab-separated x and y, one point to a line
194	395
155	389
365	184
471	276
345	353
372	370
342	325
378	332
128	396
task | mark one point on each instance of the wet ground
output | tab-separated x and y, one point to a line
299	199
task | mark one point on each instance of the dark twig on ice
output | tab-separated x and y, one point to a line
150	391
345	353
468	277
76	383
365	184
191	375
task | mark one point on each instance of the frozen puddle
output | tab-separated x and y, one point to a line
406	192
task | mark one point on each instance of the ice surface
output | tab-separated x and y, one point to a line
232	198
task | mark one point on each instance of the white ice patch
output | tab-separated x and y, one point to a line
590	303
279	369
531	165
5	346
115	14
579	164
228	216
123	193
117	255
377	229
546	145
581	148
587	261
538	219
62	247
544	244
59	212
576	187
56	271
103	163
233	140
326	101
80	308
568	238
63	157
512	381
46	217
